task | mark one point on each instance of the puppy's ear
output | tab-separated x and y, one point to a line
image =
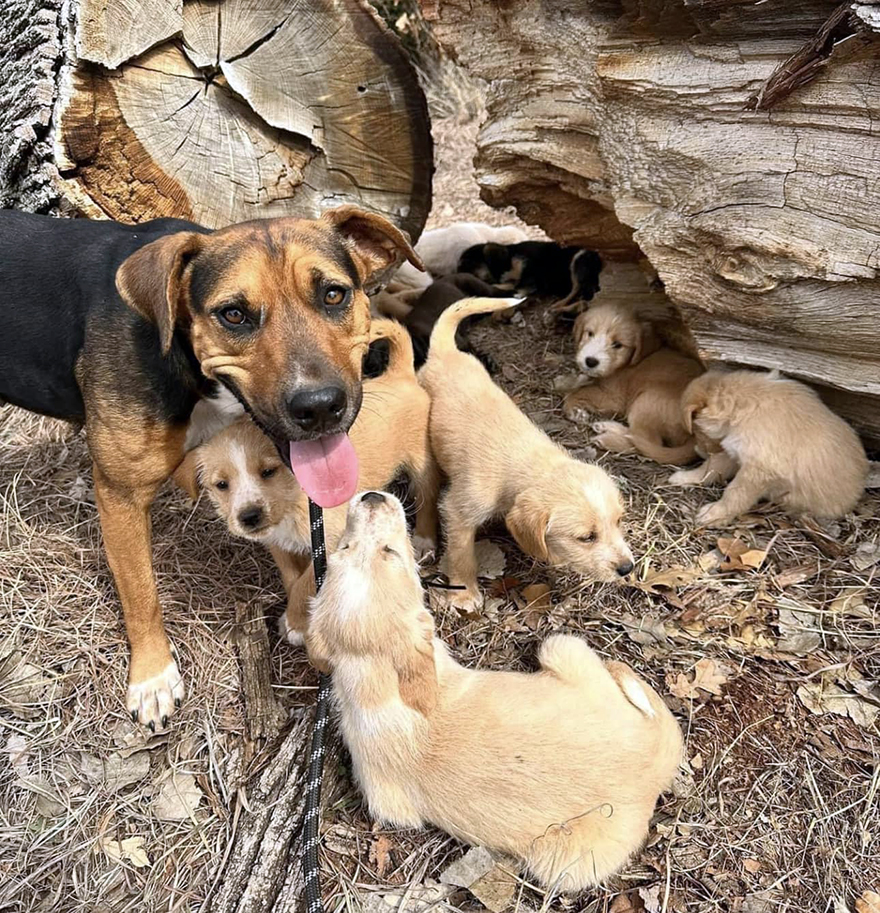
416	672
577	329
647	342
377	243
690	406
527	521
186	476
150	280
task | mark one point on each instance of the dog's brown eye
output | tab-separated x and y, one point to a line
390	550
590	333
235	316
268	473
335	295
222	486
590	538
617	345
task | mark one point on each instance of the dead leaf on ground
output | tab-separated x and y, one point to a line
115	772
869	902
669	578
866	555
178	797
796	623
130	850
644	630
627	903
739	557
799	573
819	698
651	897
708	677
752	865
851	601
380	854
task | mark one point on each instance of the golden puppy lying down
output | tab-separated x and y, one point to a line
775	439
261	501
500	464
631	373
561	768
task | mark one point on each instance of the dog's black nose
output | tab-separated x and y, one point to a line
373	497
625	568
319	409
591	362
250	516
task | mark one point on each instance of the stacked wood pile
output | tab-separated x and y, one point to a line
654	125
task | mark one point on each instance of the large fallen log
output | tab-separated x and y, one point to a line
764	225
211	110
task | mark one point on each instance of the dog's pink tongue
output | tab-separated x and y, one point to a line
327	469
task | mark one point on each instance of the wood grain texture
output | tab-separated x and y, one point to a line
218	110
763	225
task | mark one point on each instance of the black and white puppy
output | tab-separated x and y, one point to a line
541	268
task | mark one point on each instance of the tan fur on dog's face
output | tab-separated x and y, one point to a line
243	475
272	308
574	521
609	338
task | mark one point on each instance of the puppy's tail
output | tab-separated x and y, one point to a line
443	334
660	453
400	354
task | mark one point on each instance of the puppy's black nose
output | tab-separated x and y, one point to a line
318	409
250	516
373	497
591	362
625	568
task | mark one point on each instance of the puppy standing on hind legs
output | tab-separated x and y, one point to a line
775	439
500	464
579	751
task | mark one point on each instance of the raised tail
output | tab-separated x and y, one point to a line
443	334
400	354
674	456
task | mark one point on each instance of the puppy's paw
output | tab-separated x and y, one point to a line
152	701
612	436
574	411
683	477
712	515
294	637
467	602
424	549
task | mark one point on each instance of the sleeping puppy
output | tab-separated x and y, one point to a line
500	464
541	268
261	501
560	769
440	249
775	439
630	372
434	301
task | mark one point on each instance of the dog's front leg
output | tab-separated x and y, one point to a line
462	561
155	687
743	493
427	488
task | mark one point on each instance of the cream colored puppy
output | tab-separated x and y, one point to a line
561	768
500	464
775	439
260	500
629	372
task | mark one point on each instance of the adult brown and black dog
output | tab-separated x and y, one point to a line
125	328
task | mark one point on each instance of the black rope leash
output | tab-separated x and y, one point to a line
311	823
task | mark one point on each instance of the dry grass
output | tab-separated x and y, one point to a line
779	811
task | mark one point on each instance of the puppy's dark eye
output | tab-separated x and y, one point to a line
269	472
221	485
389	550
617	345
590	538
335	296
590	333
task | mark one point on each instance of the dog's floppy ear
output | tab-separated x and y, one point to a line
527	521
377	243
186	476
690	406
416	672
577	329
150	280
647	342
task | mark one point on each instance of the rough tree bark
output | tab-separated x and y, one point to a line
211	110
631	119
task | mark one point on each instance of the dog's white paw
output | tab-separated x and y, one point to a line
468	602
291	635
577	414
712	515
152	702
612	436
682	477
